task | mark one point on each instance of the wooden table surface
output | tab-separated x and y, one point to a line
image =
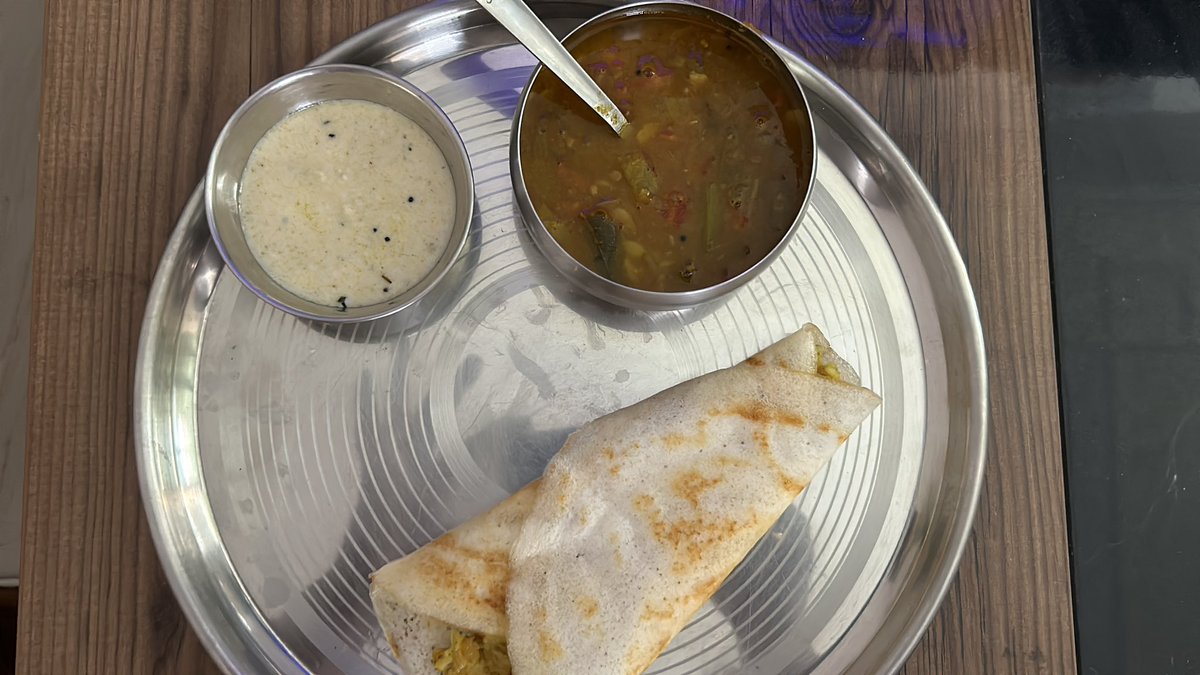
134	93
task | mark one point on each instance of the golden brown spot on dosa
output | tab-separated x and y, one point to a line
842	438
733	461
614	543
786	481
756	361
551	650
688	538
448	542
468	584
704	590
588	606
761	440
790	484
615	458
653	614
788	419
673	441
699	439
691	485
823	428
757	412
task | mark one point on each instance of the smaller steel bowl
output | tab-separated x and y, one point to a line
285	96
607	289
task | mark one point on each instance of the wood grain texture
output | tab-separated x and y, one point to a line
20	80
953	83
134	92
290	33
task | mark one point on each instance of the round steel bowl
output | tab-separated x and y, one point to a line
285	96
607	289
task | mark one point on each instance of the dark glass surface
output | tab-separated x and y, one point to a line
1121	125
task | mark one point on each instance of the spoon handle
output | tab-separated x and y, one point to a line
516	16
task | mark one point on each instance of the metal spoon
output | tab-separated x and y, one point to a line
516	16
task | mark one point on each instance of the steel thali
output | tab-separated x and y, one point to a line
282	461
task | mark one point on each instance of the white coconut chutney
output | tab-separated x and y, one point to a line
347	203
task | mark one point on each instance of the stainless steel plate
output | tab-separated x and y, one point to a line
282	461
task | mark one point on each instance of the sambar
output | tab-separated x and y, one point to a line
707	178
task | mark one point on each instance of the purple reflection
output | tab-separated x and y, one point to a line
849	23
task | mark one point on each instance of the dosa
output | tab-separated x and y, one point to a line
633	526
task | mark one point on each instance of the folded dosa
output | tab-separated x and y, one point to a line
636	522
458	580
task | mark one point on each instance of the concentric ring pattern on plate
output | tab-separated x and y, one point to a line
313	454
